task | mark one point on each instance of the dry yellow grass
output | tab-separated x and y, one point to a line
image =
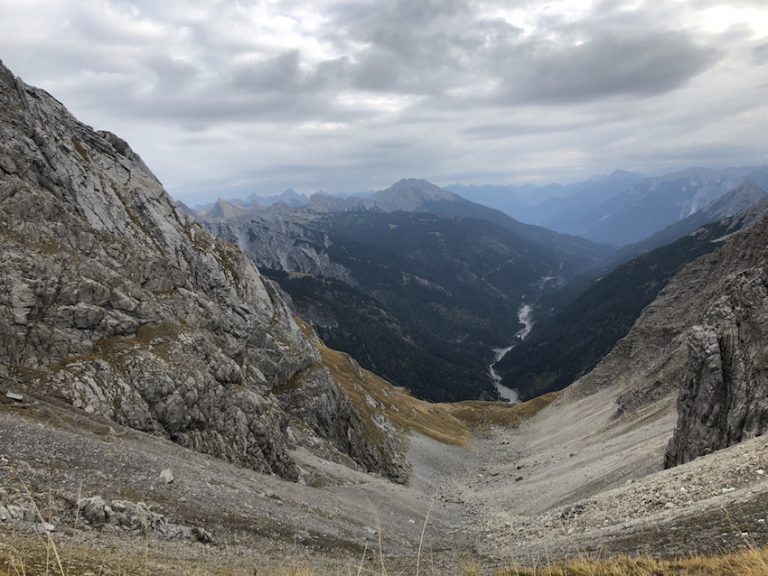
484	415
750	562
30	557
405	411
448	423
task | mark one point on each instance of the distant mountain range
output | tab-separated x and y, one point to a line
223	209
415	282
743	198
620	208
417	275
658	202
546	204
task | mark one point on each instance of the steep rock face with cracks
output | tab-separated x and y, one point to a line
113	300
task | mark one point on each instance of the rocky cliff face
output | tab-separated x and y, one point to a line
723	397
115	301
701	344
292	243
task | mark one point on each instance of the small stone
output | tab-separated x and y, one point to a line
302	535
15	396
93	510
202	535
166	476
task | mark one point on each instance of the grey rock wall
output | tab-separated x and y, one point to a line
115	301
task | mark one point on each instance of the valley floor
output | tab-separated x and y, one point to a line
573	480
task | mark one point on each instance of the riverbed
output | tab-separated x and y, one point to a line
525	317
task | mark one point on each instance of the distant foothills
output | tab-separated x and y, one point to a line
425	285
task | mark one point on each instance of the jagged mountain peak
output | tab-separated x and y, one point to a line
410	194
224	210
289	194
324	202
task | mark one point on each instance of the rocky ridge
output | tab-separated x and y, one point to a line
116	302
701	344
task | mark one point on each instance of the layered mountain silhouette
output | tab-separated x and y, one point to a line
620	208
415	282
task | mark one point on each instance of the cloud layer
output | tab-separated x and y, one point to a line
224	98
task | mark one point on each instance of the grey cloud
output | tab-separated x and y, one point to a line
605	65
540	124
433	88
760	53
278	73
172	73
415	47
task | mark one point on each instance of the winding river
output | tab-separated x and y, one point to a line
525	316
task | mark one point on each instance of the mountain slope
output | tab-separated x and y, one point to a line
737	200
576	338
419	298
223	210
555	206
412	195
659	202
115	302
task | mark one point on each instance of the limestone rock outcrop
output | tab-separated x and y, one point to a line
112	299
723	392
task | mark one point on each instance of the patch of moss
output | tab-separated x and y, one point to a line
147	333
80	149
296	381
228	260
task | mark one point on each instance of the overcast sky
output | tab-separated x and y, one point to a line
225	97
